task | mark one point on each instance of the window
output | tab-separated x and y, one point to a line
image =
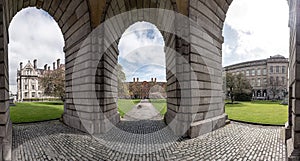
271	80
283	80
26	87
26	94
33	94
277	79
253	82
283	69
247	73
265	81
33	87
271	69
253	72
258	82
258	72
265	71
277	69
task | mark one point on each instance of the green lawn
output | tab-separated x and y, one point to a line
125	105
265	112
160	105
36	111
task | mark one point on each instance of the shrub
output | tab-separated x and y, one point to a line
243	96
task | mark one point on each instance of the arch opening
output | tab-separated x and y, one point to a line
256	58
143	60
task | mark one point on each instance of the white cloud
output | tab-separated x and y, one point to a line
255	29
142	52
33	34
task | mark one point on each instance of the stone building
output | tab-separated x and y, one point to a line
28	83
268	77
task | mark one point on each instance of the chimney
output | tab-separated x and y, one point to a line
151	79
155	80
53	65
21	66
58	63
35	64
137	79
45	66
49	68
133	80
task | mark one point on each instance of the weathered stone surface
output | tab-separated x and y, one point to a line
136	141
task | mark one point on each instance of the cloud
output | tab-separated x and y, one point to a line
253	31
142	52
33	34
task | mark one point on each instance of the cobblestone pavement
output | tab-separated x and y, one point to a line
54	141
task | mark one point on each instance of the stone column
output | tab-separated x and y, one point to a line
293	127
5	123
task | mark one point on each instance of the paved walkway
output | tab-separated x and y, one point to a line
143	111
145	140
54	141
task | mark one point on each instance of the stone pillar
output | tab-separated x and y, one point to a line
206	104
293	127
5	123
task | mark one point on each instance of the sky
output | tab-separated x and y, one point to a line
253	29
142	52
33	34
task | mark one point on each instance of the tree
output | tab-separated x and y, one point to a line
53	83
275	87
238	86
122	86
230	85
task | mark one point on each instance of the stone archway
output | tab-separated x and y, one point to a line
201	106
74	20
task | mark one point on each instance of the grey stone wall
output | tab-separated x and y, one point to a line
206	104
194	78
293	130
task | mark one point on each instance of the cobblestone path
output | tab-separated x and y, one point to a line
54	141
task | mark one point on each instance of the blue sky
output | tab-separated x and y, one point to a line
253	29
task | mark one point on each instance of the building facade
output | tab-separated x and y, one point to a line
268	77
145	89
28	80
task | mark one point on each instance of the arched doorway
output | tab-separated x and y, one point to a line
144	68
70	24
194	107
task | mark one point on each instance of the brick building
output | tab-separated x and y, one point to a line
145	90
265	76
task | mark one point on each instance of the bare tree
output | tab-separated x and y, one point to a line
53	83
275	86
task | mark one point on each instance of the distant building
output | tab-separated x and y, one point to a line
28	85
145	90
264	75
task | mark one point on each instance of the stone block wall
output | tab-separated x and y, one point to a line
206	103
193	59
293	129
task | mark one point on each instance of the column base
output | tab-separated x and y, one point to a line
91	126
6	145
292	154
208	125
